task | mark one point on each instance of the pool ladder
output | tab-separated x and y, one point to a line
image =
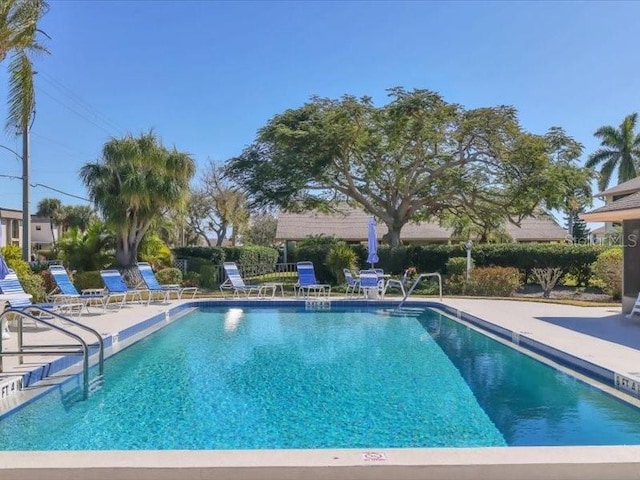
415	284
81	348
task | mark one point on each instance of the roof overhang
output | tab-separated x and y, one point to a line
612	216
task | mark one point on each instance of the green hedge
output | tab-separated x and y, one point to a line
254	259
214	255
574	259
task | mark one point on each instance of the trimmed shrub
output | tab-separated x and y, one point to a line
47	281
215	255
208	276
254	259
315	250
457	266
34	285
84	280
492	282
608	268
169	276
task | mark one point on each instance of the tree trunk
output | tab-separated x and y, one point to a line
392	237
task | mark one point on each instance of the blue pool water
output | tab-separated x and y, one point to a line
284	378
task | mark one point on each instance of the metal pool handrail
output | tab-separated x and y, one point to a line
415	284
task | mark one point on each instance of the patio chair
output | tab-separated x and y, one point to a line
21	300
397	282
163	291
307	281
235	282
371	284
115	284
353	283
66	292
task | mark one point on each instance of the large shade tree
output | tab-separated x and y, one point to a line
416	158
620	149
136	180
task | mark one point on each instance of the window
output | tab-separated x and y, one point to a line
15	229
38	228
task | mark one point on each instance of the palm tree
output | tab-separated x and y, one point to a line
136	180
19	39
621	149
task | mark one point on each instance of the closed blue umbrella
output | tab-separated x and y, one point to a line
4	268
372	242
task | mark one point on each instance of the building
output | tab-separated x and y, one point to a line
11	230
350	225
622	207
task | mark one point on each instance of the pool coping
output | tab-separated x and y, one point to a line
573	462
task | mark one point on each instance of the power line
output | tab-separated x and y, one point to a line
48	187
75	111
79	101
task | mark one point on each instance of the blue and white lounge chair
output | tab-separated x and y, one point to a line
235	282
21	300
307	282
115	284
162	291
66	292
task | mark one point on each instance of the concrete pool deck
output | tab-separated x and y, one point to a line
599	335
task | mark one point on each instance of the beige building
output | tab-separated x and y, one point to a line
11	230
350	225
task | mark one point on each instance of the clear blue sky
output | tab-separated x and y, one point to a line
206	75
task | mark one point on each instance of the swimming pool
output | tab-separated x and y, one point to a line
284	378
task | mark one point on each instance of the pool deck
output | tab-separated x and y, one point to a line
598	335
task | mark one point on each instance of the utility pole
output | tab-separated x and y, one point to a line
26	197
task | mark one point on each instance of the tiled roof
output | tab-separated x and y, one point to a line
351	225
626	203
629	186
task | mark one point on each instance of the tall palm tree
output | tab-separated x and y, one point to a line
621	149
136	180
19	38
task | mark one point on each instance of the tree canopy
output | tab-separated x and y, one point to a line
136	180
416	158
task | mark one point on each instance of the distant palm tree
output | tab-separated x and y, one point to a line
621	149
136	180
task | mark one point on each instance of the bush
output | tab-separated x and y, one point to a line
457	266
169	276
34	285
215	255
84	280
608	268
486	282
315	250
254	259
208	276
48	283
340	257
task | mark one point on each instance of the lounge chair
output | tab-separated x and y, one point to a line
307	281
156	288
353	283
66	292
21	300
235	282
115	284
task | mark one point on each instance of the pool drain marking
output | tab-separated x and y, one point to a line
373	457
